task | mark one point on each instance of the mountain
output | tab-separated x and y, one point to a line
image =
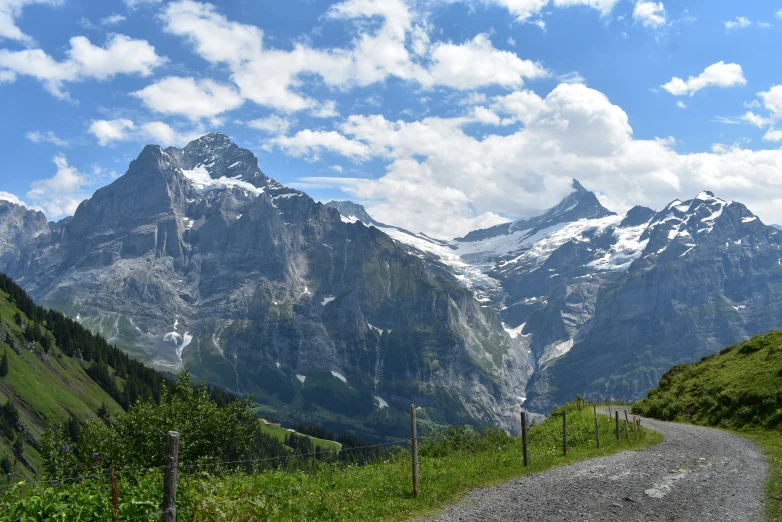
351	212
19	229
194	258
605	304
580	204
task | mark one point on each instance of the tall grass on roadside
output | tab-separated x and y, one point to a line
452	462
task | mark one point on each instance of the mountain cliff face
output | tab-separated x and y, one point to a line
194	258
606	303
19	230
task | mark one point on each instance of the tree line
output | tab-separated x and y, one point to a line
218	429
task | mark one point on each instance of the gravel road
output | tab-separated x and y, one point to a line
695	474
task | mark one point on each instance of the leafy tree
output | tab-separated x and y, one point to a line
4	365
208	432
5	465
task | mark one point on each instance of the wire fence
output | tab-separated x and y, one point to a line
203	465
312	456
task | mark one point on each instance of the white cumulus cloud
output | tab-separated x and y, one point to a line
466	182
310	142
122	129
398	46
10	10
45	137
477	63
772	100
113	19
60	195
120	55
525	9
739	23
720	74
133	4
273	124
650	14
12	198
189	97
773	135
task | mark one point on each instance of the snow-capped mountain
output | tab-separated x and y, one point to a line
607	303
194	258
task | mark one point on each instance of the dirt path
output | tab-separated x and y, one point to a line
695	474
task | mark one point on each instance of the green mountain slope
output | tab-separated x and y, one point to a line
43	388
739	387
58	372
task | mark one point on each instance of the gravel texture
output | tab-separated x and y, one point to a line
695	474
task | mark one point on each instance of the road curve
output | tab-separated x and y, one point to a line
695	474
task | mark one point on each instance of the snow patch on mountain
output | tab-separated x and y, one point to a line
172	337
203	182
186	340
557	350
514	332
628	248
339	376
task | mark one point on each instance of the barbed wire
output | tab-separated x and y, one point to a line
135	471
292	456
201	465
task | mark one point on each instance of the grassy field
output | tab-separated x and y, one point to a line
450	465
739	389
280	433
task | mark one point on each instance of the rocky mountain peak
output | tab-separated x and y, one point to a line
352	212
579	204
638	215
219	157
151	160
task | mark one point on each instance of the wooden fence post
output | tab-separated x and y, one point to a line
627	428
114	496
524	437
597	429
169	477
564	432
635	427
414	449
617	426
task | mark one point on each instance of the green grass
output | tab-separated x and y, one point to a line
449	467
771	444
45	388
739	389
280	433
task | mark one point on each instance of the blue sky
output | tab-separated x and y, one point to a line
441	116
